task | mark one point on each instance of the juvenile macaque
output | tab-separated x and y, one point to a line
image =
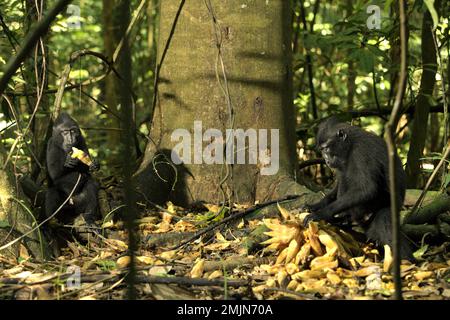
67	158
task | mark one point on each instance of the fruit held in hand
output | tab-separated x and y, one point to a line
81	155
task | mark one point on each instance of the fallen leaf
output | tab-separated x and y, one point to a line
422	275
308	274
168	255
197	270
215	274
388	259
123	262
334	278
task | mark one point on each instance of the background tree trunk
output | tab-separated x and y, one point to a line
256	50
116	17
36	77
421	112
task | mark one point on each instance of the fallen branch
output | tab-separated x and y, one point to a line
234	262
234	216
429	212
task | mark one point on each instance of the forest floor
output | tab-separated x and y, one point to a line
318	262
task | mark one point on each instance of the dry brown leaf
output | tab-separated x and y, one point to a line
259	289
184	226
280	234
364	272
282	256
334	278
422	275
220	237
217	246
292	268
351	283
285	213
197	270
311	233
271	282
145	260
308	274
356	262
326	239
118	245
215	274
123	262
274	269
388	259
214	208
319	286
159	270
292	250
282	278
168	255
303	254
163	227
292	285
320	263
171	208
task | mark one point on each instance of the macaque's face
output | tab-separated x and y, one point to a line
334	146
67	133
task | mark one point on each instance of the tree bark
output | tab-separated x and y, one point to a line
255	45
420	122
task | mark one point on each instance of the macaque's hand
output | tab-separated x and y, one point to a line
95	166
71	162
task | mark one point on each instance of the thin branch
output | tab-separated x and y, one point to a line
163	55
390	141
48	218
234	216
30	41
431	179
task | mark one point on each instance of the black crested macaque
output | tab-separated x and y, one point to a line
64	170
361	193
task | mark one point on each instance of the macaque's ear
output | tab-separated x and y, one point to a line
341	134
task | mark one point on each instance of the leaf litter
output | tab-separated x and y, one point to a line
320	261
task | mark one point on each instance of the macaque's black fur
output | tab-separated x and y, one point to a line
64	170
360	159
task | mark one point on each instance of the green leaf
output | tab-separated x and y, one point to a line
420	252
106	265
4	224
447	180
434	15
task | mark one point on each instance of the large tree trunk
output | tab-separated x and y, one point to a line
255	46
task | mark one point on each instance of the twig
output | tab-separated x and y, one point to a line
192	281
29	42
163	56
431	179
390	141
234	216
